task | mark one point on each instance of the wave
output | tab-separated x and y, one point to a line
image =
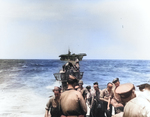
37	64
20	103
24	66
15	69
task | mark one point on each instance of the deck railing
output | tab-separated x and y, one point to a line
64	76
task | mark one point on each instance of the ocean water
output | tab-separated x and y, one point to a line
25	85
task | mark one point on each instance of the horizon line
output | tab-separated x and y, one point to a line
61	60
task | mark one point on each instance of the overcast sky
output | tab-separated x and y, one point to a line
103	29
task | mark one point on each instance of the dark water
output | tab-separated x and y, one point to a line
25	85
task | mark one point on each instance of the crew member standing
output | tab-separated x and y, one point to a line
138	106
127	93
116	100
53	104
71	101
89	95
88	100
105	95
96	104
82	90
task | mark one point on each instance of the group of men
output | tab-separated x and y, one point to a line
78	101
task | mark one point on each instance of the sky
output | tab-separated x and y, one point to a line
103	29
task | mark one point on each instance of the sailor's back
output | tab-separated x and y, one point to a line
72	103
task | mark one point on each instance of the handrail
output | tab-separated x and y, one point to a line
64	76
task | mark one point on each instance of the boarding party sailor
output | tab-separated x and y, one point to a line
52	106
82	90
116	100
126	92
72	103
138	106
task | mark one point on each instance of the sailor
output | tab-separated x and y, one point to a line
67	67
126	92
89	99
138	106
82	90
89	95
96	104
95	83
116	101
71	101
107	94
53	104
